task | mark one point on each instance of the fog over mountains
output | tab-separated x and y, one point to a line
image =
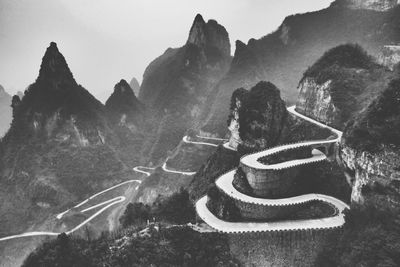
279	151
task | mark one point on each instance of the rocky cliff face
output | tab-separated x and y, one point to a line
176	84
315	100
370	149
5	111
340	84
263	118
233	119
364	169
389	56
209	34
282	56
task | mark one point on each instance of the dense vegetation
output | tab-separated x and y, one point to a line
371	238
221	161
176	209
262	118
164	246
355	79
345	56
124	102
379	125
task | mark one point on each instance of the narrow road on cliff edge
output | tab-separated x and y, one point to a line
111	202
224	183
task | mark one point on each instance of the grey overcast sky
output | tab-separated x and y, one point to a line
106	40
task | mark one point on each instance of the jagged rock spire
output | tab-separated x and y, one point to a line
54	66
134	84
123	100
210	34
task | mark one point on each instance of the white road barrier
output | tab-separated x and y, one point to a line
224	183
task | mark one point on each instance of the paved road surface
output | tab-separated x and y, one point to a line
224	183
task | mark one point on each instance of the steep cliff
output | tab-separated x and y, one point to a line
176	84
282	56
370	146
389	56
263	118
340	84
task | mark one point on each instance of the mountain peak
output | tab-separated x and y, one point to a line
54	66
3	92
210	34
123	87
123	102
134	84
199	19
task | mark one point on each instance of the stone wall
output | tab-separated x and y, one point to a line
271	183
251	211
280	248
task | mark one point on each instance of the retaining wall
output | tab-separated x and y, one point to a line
281	248
271	183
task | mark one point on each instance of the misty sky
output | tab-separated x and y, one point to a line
106	40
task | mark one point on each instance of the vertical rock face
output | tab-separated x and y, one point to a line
389	56
364	169
370	148
233	119
340	84
263	118
209	34
315	100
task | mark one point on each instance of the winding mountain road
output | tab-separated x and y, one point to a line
107	204
111	202
185	139
224	183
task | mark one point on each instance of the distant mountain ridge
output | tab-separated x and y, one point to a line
5	111
134	84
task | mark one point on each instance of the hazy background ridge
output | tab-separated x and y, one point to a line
105	40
